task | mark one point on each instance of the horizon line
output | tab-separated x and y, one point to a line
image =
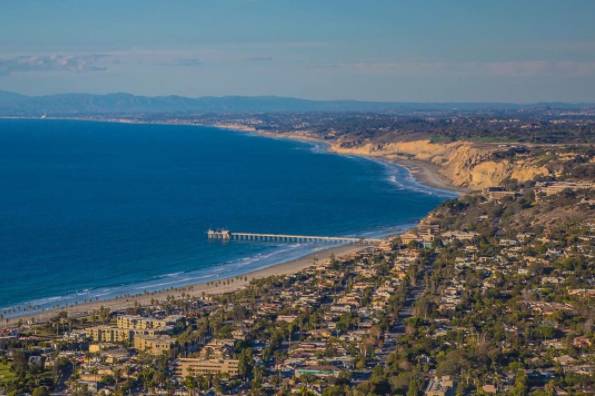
495	102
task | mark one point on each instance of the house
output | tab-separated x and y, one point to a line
440	386
459	235
556	187
489	389
341	308
409	237
239	334
218	348
581	342
428	229
498	193
287	318
565	360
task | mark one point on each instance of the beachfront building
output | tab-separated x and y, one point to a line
137	322
131	327
200	366
109	334
424	237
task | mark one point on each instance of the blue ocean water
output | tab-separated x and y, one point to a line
91	210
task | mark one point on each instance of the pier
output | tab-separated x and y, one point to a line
227	235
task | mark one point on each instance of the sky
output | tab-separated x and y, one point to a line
384	50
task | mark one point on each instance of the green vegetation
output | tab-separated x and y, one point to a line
7	375
490	294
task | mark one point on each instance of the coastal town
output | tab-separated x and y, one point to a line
491	293
297	198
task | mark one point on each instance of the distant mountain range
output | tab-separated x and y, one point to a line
14	104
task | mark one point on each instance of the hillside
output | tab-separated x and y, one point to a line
470	151
126	104
464	163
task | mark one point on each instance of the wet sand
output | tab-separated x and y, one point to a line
426	173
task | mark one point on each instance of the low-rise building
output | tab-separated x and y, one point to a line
153	345
556	187
499	193
199	366
287	318
104	333
137	322
440	386
459	235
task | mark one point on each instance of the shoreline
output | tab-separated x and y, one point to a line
421	172
221	286
426	173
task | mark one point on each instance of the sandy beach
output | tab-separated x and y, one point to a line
427	173
424	172
221	286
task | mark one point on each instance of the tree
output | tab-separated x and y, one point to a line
379	382
103	314
40	391
413	388
257	381
550	388
344	322
400	380
335	390
62	369
246	363
191	383
520	383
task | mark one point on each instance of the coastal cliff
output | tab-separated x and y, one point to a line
465	164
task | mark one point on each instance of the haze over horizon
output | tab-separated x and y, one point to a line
394	51
304	99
